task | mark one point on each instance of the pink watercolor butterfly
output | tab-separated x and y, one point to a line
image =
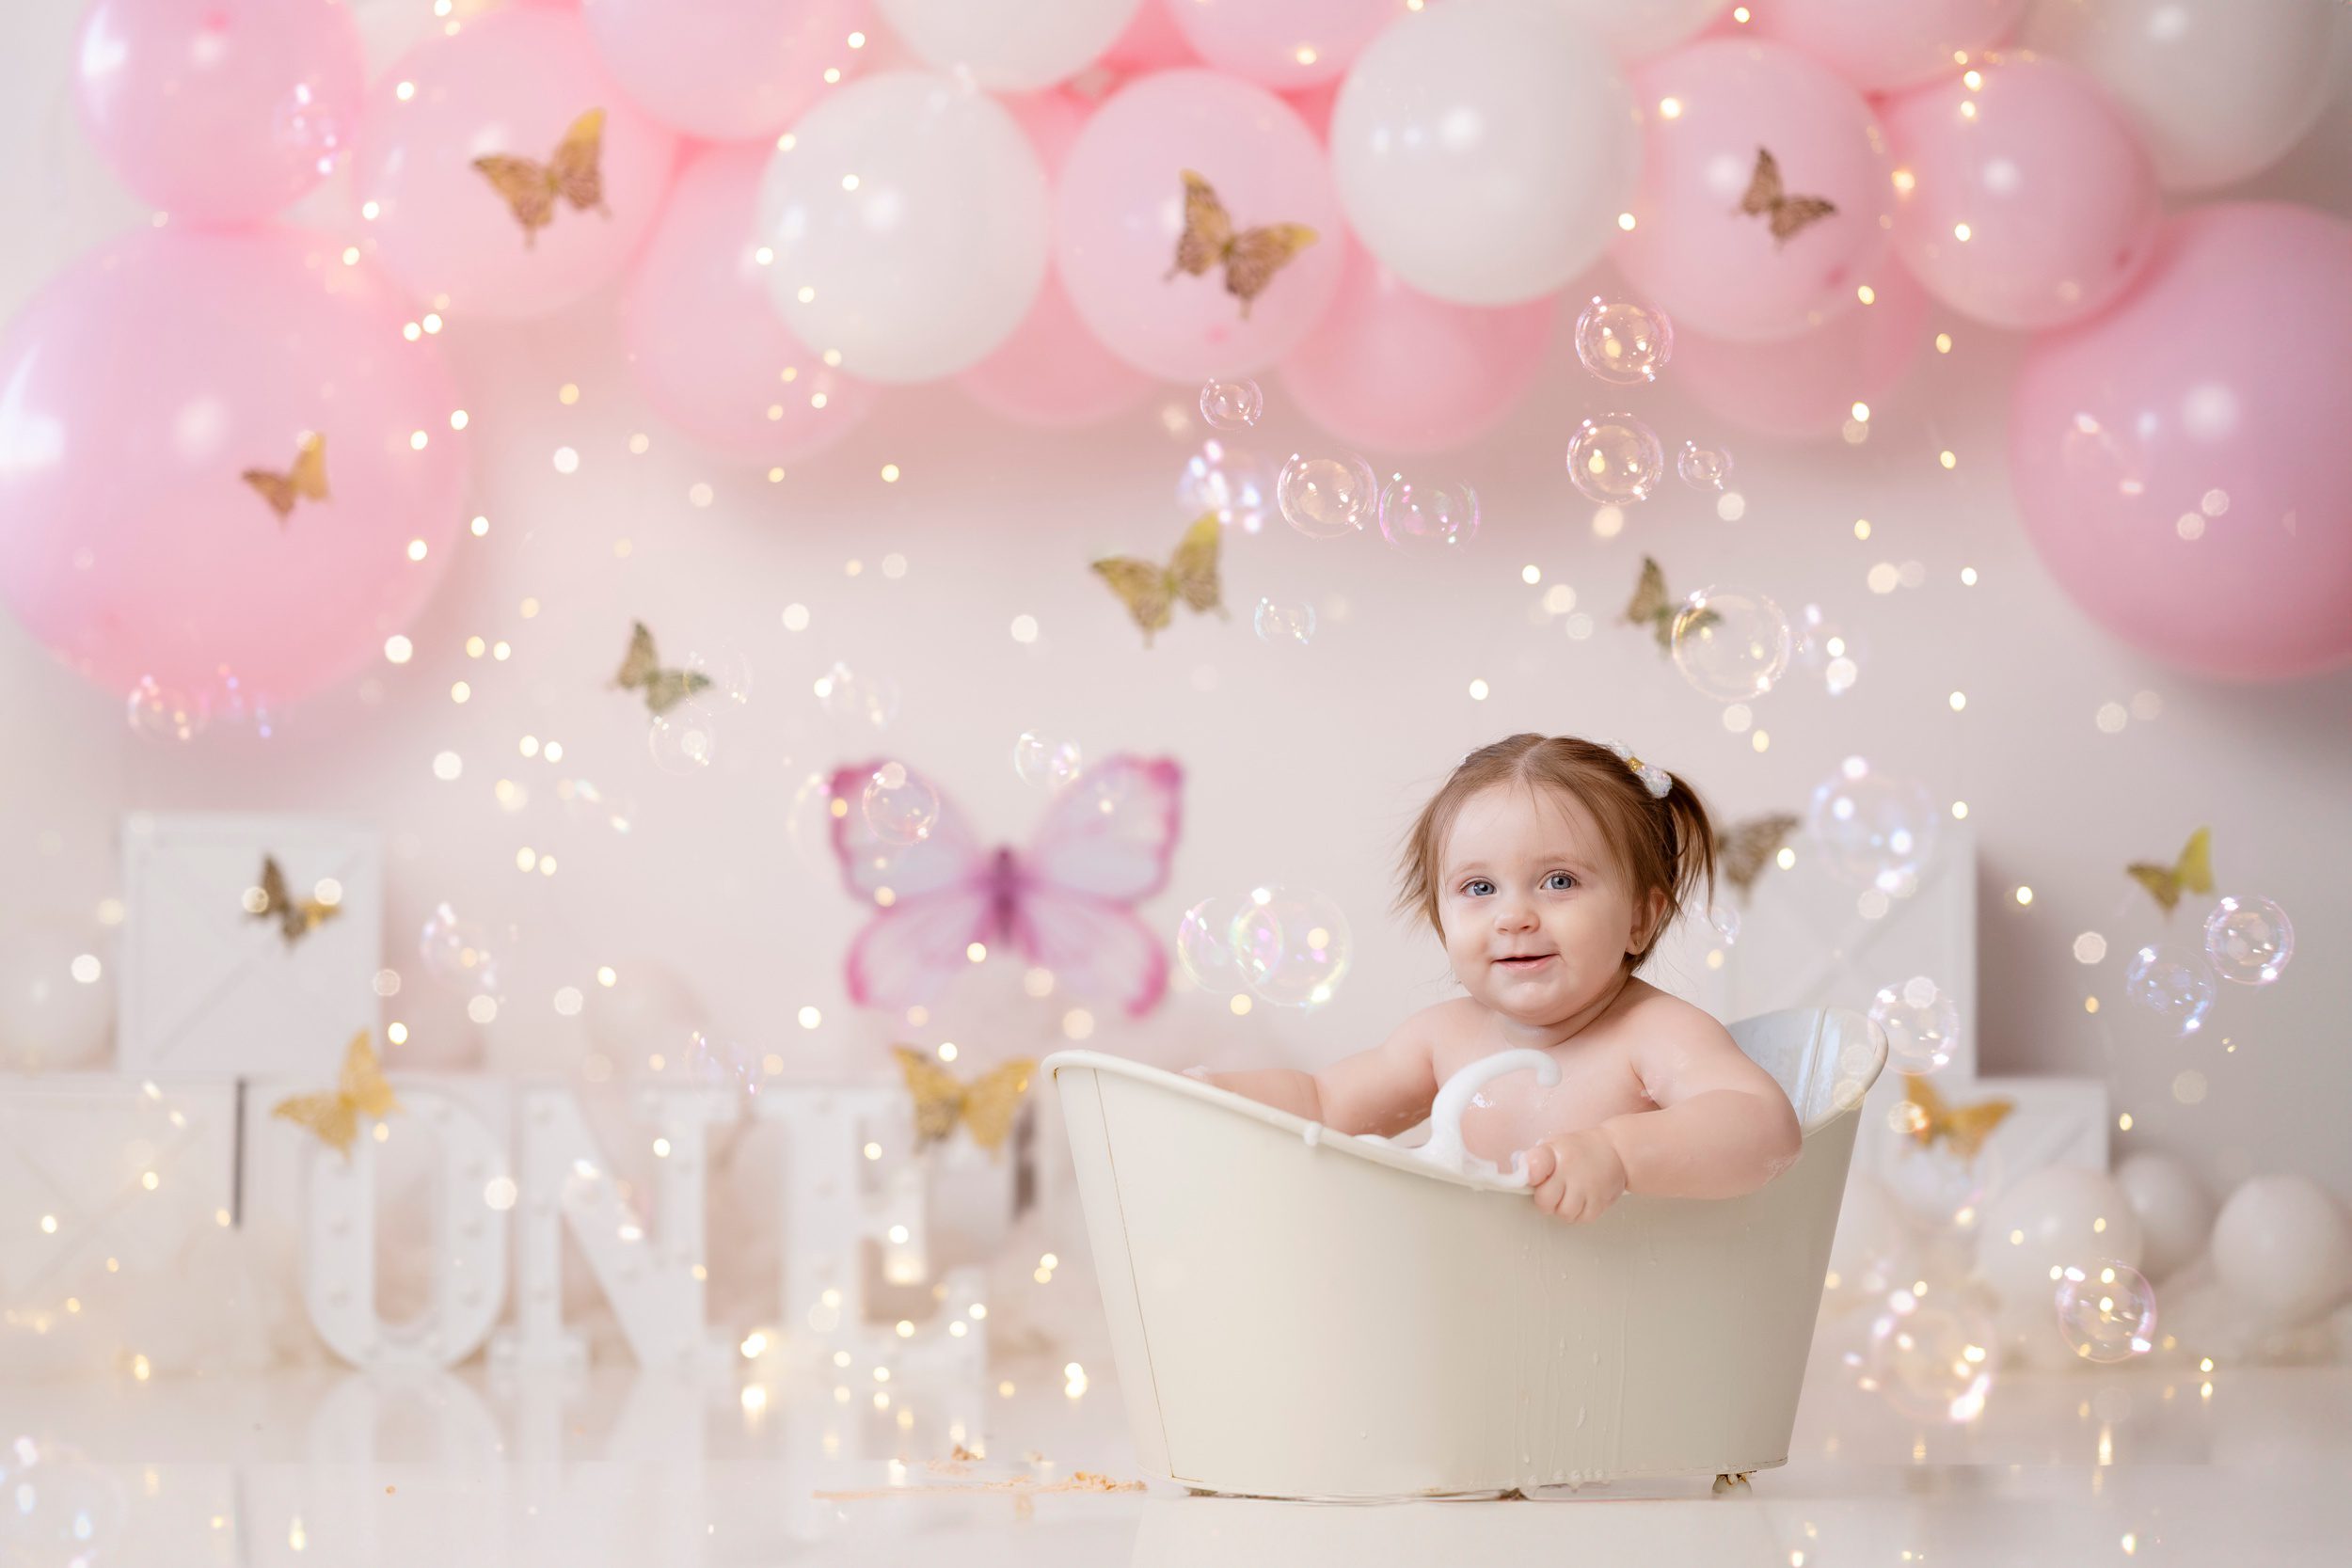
1066	902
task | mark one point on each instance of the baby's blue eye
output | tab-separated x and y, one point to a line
1560	874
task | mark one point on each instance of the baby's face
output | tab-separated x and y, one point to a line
1530	874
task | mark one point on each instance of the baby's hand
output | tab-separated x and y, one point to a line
1575	1175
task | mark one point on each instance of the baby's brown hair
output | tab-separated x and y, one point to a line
1662	843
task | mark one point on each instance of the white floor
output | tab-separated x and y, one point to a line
2249	1467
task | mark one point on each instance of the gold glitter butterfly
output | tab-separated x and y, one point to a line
986	1105
1747	846
1926	1118
2191	873
335	1116
531	187
296	917
1251	258
1150	590
307	478
664	688
1653	606
1790	213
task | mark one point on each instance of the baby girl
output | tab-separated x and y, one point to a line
1549	867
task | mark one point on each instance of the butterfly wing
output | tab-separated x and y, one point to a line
948	855
2194	870
1649	593
1798	212
277	490
1763	192
1093	946
327	1116
1208	230
1968	1126
1146	589
364	1084
938	1097
1750	845
912	951
1258	254
1928	1111
309	474
993	1098
526	186
2160	881
1192	570
576	168
1111	831
666	689
639	664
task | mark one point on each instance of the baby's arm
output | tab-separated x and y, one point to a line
1723	1125
1384	1090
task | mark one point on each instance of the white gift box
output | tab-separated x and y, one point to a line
210	989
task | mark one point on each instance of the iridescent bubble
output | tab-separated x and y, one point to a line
843	693
2172	981
1922	1021
2107	1312
1729	645
1427	516
1204	946
726	667
2249	940
589	803
1290	626
1873	828
1828	650
716	1065
163	713
1933	1358
1323	497
898	804
1725	920
1622	341
1702	468
457	952
683	739
1292	945
1615	459
57	1510
1047	764
1232	404
1227	479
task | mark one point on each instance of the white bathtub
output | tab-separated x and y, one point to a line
1298	1313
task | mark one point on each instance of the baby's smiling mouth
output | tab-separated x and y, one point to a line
1526	961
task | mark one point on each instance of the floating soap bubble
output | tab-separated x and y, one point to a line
2249	940
1292	946
2107	1312
1204	946
591	802
1873	828
458	952
1726	922
1232	404
1828	650
715	1064
163	713
726	667
1291	625
57	1509
684	739
1323	497
1614	459
2173	982
1922	1021
1932	1358
1730	645
1227	479
1048	763
1702	468
1427	516
1622	341
845	693
898	804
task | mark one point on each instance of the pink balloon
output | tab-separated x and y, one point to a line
705	345
726	70
1881	47
1284	45
1393	369
219	111
1807	386
1052	373
1711	109
2023	201
137	548
1150	44
1119	211
2180	461
514	84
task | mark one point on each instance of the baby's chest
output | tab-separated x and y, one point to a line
1597	1081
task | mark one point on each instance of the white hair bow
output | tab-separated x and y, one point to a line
1653	778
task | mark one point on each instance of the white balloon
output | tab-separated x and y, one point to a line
2218	90
1639	27
909	223
51	1019
2283	1245
1484	149
1011	45
2056	1217
2175	1210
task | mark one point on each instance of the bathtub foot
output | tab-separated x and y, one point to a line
1734	1483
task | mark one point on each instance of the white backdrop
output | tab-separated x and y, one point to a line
1303	765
